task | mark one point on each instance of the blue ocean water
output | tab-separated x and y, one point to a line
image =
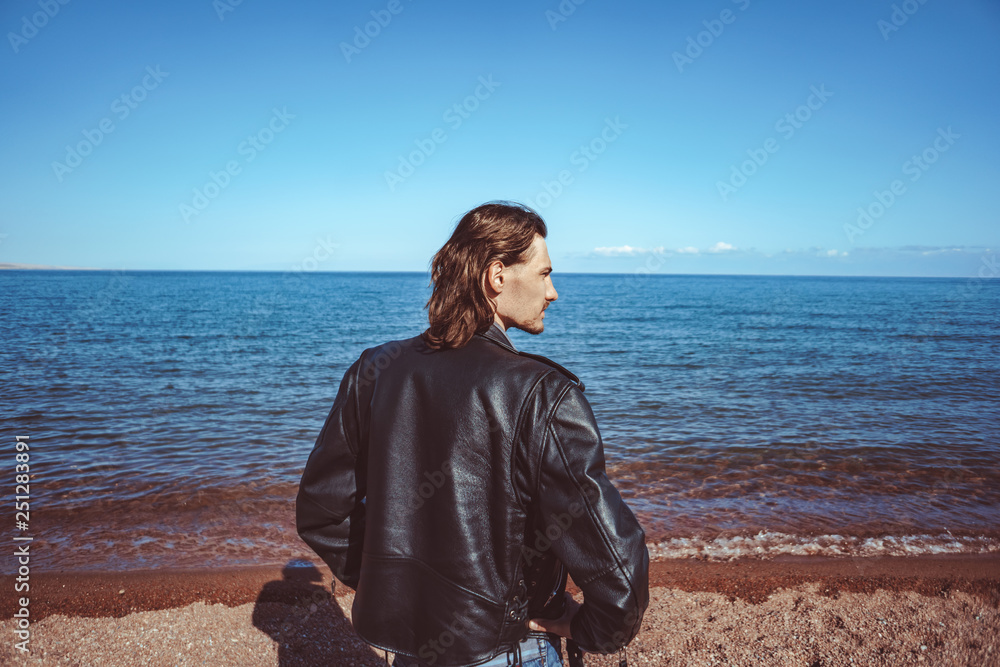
170	414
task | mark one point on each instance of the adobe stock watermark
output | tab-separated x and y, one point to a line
264	305
432	480
787	126
96	306
381	360
93	307
562	12
381	18
248	149
915	168
581	158
431	650
696	44
122	107
901	13
223	7
558	525
30	25
454	116
655	259
988	270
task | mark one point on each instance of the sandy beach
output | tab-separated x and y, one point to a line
807	611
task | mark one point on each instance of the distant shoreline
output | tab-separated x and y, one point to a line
41	267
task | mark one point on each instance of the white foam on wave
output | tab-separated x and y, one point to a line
766	544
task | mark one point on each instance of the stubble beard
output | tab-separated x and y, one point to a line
534	327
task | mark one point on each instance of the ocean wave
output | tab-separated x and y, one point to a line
766	544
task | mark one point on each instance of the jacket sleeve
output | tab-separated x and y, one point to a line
590	529
329	508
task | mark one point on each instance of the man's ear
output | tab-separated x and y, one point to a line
495	278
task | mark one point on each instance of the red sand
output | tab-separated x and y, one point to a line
804	611
103	594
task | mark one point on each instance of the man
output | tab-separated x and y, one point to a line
456	477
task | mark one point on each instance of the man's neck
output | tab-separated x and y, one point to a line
499	325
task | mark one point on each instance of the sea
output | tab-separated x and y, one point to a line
168	415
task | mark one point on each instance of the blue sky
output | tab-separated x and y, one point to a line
711	137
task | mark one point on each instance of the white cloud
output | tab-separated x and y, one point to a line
625	251
615	251
938	251
631	251
922	251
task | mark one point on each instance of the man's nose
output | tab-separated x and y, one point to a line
551	294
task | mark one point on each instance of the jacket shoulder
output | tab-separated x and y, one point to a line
491	340
548	362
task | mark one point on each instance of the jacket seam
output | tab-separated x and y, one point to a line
356	389
519	423
519	566
598	575
619	560
579	488
532	469
545	428
473	594
523	409
516	437
308	498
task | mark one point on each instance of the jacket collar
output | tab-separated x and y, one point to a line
497	335
494	335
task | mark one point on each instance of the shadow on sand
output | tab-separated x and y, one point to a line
302	616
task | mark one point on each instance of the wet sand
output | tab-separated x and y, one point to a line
805	611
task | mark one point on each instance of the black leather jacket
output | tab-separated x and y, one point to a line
447	487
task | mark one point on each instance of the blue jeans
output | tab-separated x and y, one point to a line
536	651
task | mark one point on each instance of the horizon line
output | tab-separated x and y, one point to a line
61	269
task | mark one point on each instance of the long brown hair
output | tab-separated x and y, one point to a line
459	307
